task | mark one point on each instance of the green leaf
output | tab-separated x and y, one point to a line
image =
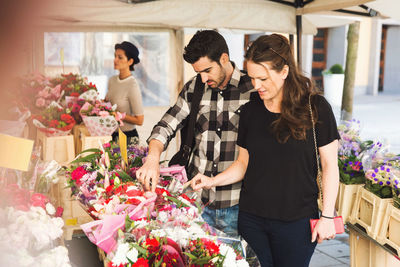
140	249
96	150
87	158
124	176
178	203
191	256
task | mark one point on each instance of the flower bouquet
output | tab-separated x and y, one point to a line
101	118
36	92
73	85
54	121
351	170
380	180
29	229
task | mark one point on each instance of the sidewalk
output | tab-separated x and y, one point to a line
380	118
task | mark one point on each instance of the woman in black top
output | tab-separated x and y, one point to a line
277	159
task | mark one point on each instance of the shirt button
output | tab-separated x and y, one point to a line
238	111
219	129
215	165
220	92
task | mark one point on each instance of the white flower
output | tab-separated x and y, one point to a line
120	254
50	209
132	254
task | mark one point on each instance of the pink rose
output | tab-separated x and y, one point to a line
44	93
104	114
56	91
40	102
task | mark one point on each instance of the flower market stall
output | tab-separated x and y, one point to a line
368	198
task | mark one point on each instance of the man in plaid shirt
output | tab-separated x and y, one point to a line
226	90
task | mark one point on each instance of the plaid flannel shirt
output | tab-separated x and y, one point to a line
215	132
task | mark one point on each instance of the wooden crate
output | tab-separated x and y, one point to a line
74	215
86	141
58	148
366	253
103	257
368	211
76	131
346	199
389	234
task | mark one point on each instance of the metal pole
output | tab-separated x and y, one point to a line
299	34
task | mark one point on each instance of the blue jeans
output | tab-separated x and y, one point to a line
278	243
224	220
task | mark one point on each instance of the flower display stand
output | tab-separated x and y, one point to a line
368	211
367	253
346	199
58	148
86	141
74	215
389	234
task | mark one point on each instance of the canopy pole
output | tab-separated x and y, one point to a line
299	34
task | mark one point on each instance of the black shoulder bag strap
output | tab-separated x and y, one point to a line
187	132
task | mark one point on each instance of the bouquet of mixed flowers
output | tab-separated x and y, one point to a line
54	121
382	178
29	228
36	92
101	118
351	170
73	84
148	223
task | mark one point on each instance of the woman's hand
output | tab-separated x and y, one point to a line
201	181
324	229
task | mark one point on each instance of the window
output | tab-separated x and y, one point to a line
91	54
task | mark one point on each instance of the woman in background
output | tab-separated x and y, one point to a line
124	91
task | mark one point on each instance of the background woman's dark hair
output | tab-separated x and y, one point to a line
131	52
294	119
205	43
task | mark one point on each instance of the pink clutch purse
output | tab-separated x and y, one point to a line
338	221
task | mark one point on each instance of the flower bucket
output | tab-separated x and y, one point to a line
100	126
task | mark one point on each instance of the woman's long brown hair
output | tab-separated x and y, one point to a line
294	119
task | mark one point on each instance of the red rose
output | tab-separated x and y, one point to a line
53	123
68	119
74	94
141	263
77	174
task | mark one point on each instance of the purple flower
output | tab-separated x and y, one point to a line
381	183
376	170
388	183
376	179
382	168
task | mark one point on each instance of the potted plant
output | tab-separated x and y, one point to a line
333	84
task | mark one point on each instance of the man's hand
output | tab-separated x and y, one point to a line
201	181
149	173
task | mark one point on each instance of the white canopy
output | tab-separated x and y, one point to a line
257	15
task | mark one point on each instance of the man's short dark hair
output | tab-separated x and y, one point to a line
205	43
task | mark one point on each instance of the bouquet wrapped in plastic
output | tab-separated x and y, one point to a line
54	121
101	118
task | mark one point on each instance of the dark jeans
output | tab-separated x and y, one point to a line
129	136
278	243
224	220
